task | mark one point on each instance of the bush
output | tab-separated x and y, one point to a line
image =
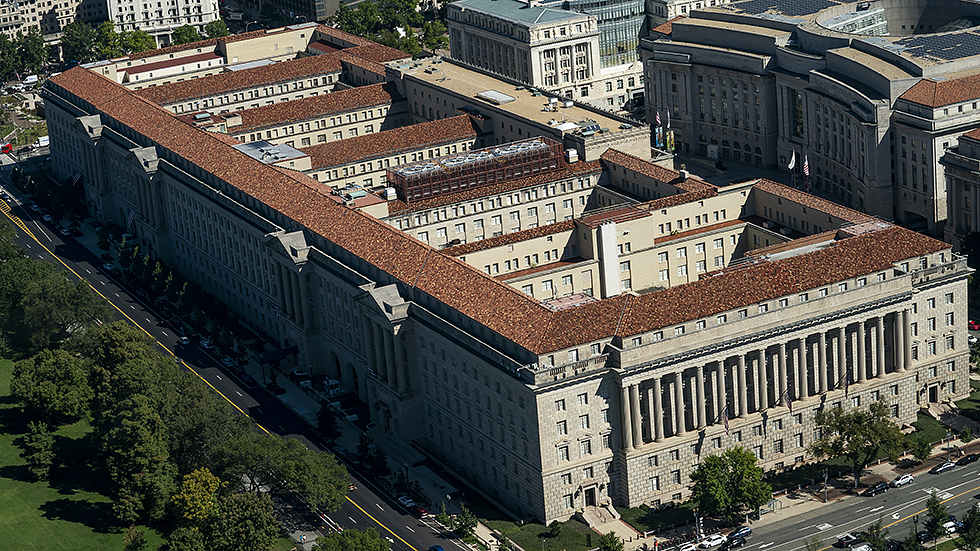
966	435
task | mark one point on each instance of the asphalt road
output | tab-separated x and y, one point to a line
959	488
366	506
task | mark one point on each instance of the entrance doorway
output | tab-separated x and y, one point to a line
590	497
934	394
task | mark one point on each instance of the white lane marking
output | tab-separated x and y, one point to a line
352	520
219	377
764	545
379	506
410	528
896	516
102	282
876	509
239	393
148	320
87	271
117	295
131	306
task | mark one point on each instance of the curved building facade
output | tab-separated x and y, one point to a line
869	93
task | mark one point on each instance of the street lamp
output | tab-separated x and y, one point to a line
825	486
303	16
949	435
249	23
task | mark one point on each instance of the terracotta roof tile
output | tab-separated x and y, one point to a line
848	258
307	108
665	28
570	170
931	93
643	166
206	43
229	81
811	201
405	138
508	238
344	35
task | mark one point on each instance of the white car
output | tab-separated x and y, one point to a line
406	501
950	527
971	339
689	546
713	540
902	480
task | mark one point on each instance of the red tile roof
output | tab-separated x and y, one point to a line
307	108
499	307
344	36
811	201
389	142
665	28
229	81
931	93
508	238
208	43
175	62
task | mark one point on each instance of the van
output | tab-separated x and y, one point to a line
30	80
43	141
332	387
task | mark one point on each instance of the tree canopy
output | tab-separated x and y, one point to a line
858	434
32	52
78	42
52	387
216	29
723	484
970	534
8	53
367	540
936	516
186	34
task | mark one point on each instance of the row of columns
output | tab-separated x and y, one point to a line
294	298
801	368
389	354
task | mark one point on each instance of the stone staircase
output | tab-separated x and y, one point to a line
597	516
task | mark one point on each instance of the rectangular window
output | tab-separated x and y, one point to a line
559	405
585	446
699	248
562	453
583	399
562	428
583	422
675	477
566	478
682	252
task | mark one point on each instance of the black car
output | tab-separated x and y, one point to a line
733	543
848	540
895	545
922	536
967	459
878	488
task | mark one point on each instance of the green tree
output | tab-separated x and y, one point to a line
216	29
858	434
911	542
32	53
723	484
610	542
921	450
78	42
186	539
434	35
970	534
260	459
936	516
38	450
138	41
966	435
197	500
135	540
876	536
465	522
8	53
185	35
554	529
52	387
245	522
9	250
367	540
108	42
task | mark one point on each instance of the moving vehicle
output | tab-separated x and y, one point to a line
43	141
903	480
967	459
7	148
183	341
848	540
878	488
973	325
733	543
418	512
941	468
740	532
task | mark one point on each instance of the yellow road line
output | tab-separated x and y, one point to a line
16	220
379	523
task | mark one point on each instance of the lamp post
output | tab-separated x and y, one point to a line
949	435
249	23
825	486
303	16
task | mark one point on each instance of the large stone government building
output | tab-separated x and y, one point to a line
518	291
871	93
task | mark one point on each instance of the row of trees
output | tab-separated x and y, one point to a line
82	43
26	54
167	450
381	20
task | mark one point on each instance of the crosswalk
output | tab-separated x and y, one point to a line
943	495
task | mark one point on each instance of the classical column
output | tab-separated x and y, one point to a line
799	351
763	382
862	336
635	415
713	379
679	400
841	362
400	374
657	419
743	395
783	383
304	299
389	338
297	302
822	361
722	391
282	290
699	394
627	421
880	346
287	290
379	352
907	337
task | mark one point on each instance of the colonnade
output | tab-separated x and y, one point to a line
294	299
757	379
386	351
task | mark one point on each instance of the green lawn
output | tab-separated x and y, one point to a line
62	515
645	519
572	537
970	407
928	429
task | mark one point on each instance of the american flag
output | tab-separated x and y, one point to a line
724	418
806	166
847	384
786	400
658	117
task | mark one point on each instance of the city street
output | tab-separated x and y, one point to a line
365	506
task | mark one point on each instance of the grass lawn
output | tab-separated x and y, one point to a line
970	407
645	519
61	515
572	537
928	429
30	135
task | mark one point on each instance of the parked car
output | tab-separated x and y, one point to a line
228	362
952	527
183	341
436	548
207	344
714	540
878	488
941	468
406	502
418	512
65	232
740	532
848	540
971	339
903	480
689	546
47	218
895	545
973	325
922	536
967	459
